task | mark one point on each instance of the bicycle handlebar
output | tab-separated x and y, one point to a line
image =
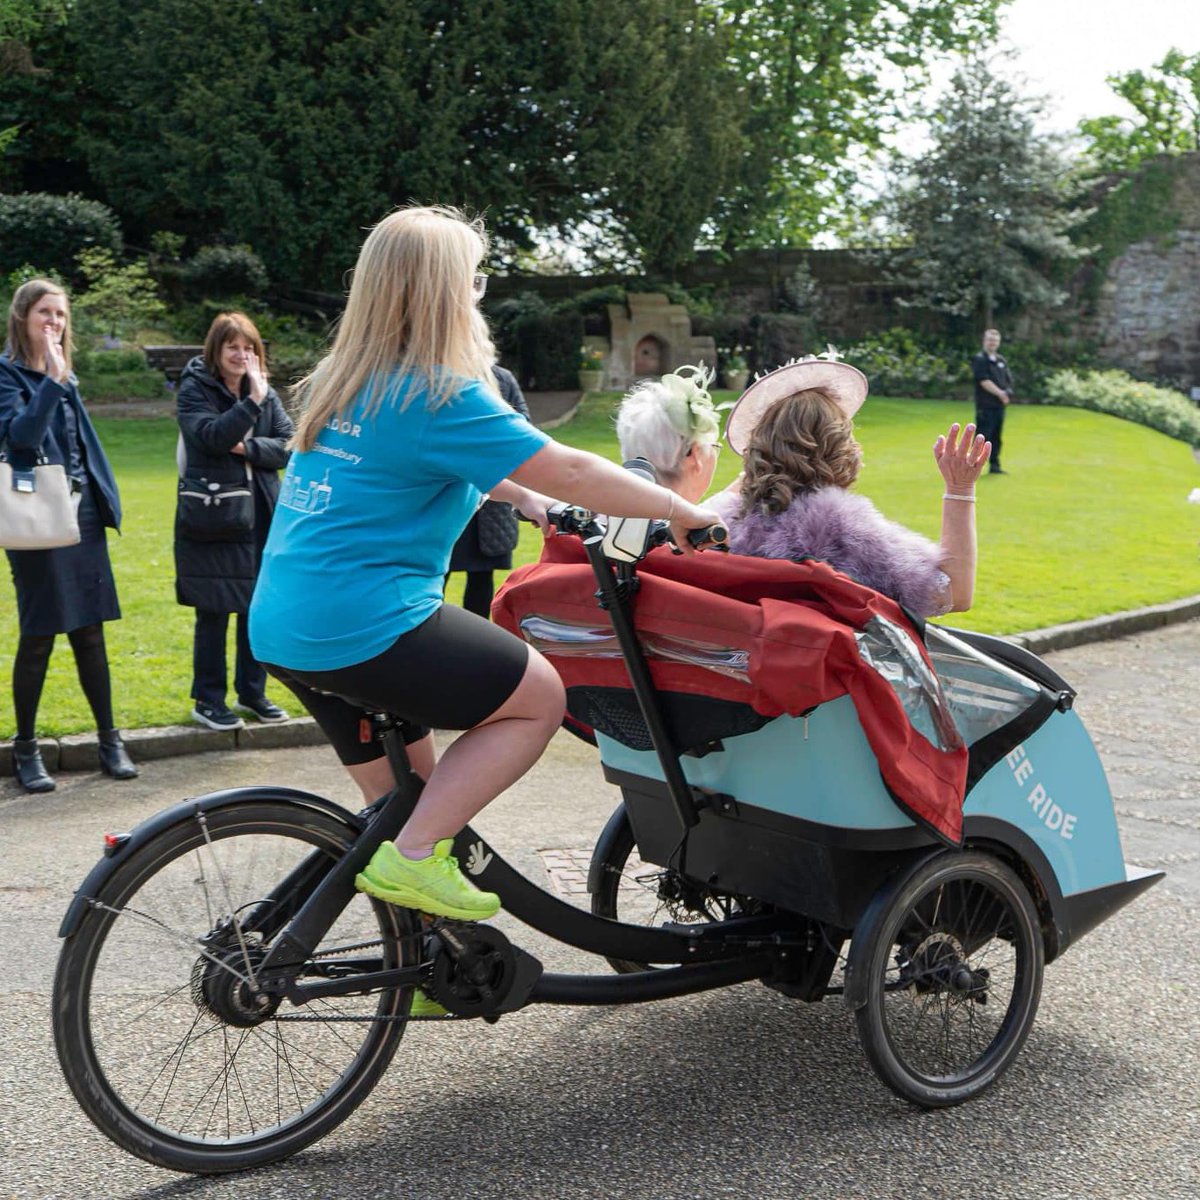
570	518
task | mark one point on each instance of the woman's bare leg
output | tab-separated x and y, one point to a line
375	778
487	759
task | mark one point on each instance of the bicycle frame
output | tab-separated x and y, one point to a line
724	952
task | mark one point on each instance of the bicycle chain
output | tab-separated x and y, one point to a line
334	953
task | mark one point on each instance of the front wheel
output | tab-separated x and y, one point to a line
951	970
164	1039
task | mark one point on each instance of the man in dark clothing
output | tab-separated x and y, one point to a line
993	393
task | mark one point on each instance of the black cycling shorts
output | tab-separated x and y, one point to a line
451	672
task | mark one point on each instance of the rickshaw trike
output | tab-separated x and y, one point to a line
225	997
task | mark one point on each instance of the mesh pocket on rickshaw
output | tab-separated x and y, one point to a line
692	721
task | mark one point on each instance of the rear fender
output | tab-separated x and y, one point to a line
186	810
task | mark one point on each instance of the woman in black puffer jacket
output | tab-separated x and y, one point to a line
233	431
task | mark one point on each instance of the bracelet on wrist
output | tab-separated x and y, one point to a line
966	499
670	507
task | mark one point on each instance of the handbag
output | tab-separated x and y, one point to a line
496	528
211	511
38	506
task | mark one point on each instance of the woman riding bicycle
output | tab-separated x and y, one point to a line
403	433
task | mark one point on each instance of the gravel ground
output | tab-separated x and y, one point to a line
731	1093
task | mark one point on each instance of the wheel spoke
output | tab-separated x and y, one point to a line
232	908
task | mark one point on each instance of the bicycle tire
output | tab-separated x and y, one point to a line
89	990
933	986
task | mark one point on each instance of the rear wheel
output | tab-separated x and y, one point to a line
953	972
640	893
161	1032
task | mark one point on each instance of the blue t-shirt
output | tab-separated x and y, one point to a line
361	538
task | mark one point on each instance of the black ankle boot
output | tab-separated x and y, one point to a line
28	767
114	758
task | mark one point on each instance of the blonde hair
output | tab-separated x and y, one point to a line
802	443
225	327
411	308
20	344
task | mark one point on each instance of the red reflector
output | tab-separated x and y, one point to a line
366	733
112	840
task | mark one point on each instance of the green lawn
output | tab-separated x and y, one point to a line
1091	519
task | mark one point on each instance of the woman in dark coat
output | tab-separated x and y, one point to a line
69	589
233	430
487	543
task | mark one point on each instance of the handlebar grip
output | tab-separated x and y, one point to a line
711	537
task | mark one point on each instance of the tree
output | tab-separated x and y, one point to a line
1165	98
19	20
981	216
323	117
291	125
825	79
665	173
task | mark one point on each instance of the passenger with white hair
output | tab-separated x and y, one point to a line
673	424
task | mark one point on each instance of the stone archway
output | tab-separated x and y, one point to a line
649	357
650	336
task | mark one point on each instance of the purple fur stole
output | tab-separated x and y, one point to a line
849	533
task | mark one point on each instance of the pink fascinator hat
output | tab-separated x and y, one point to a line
845	385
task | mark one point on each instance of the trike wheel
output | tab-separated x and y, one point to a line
164	1041
950	965
640	893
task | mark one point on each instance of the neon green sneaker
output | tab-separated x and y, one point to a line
425	1006
431	885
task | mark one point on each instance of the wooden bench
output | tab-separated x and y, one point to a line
171	360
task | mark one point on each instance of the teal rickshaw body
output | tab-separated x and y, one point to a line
1043	802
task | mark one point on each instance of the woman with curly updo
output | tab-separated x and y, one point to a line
794	430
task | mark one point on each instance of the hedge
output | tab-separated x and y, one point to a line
1120	395
547	350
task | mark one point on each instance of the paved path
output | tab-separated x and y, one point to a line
735	1093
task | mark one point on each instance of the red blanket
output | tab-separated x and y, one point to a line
796	621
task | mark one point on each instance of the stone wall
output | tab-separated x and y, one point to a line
855	297
1138	302
1146	314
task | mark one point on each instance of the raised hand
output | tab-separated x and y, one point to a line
258	378
53	357
961	461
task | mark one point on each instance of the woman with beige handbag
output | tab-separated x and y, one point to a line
62	588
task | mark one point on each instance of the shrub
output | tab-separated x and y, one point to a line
727	331
118	299
1121	395
225	271
505	315
594	301
167	266
143	384
779	337
109	362
50	232
1032	363
547	346
898	364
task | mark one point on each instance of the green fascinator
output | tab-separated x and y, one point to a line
688	406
